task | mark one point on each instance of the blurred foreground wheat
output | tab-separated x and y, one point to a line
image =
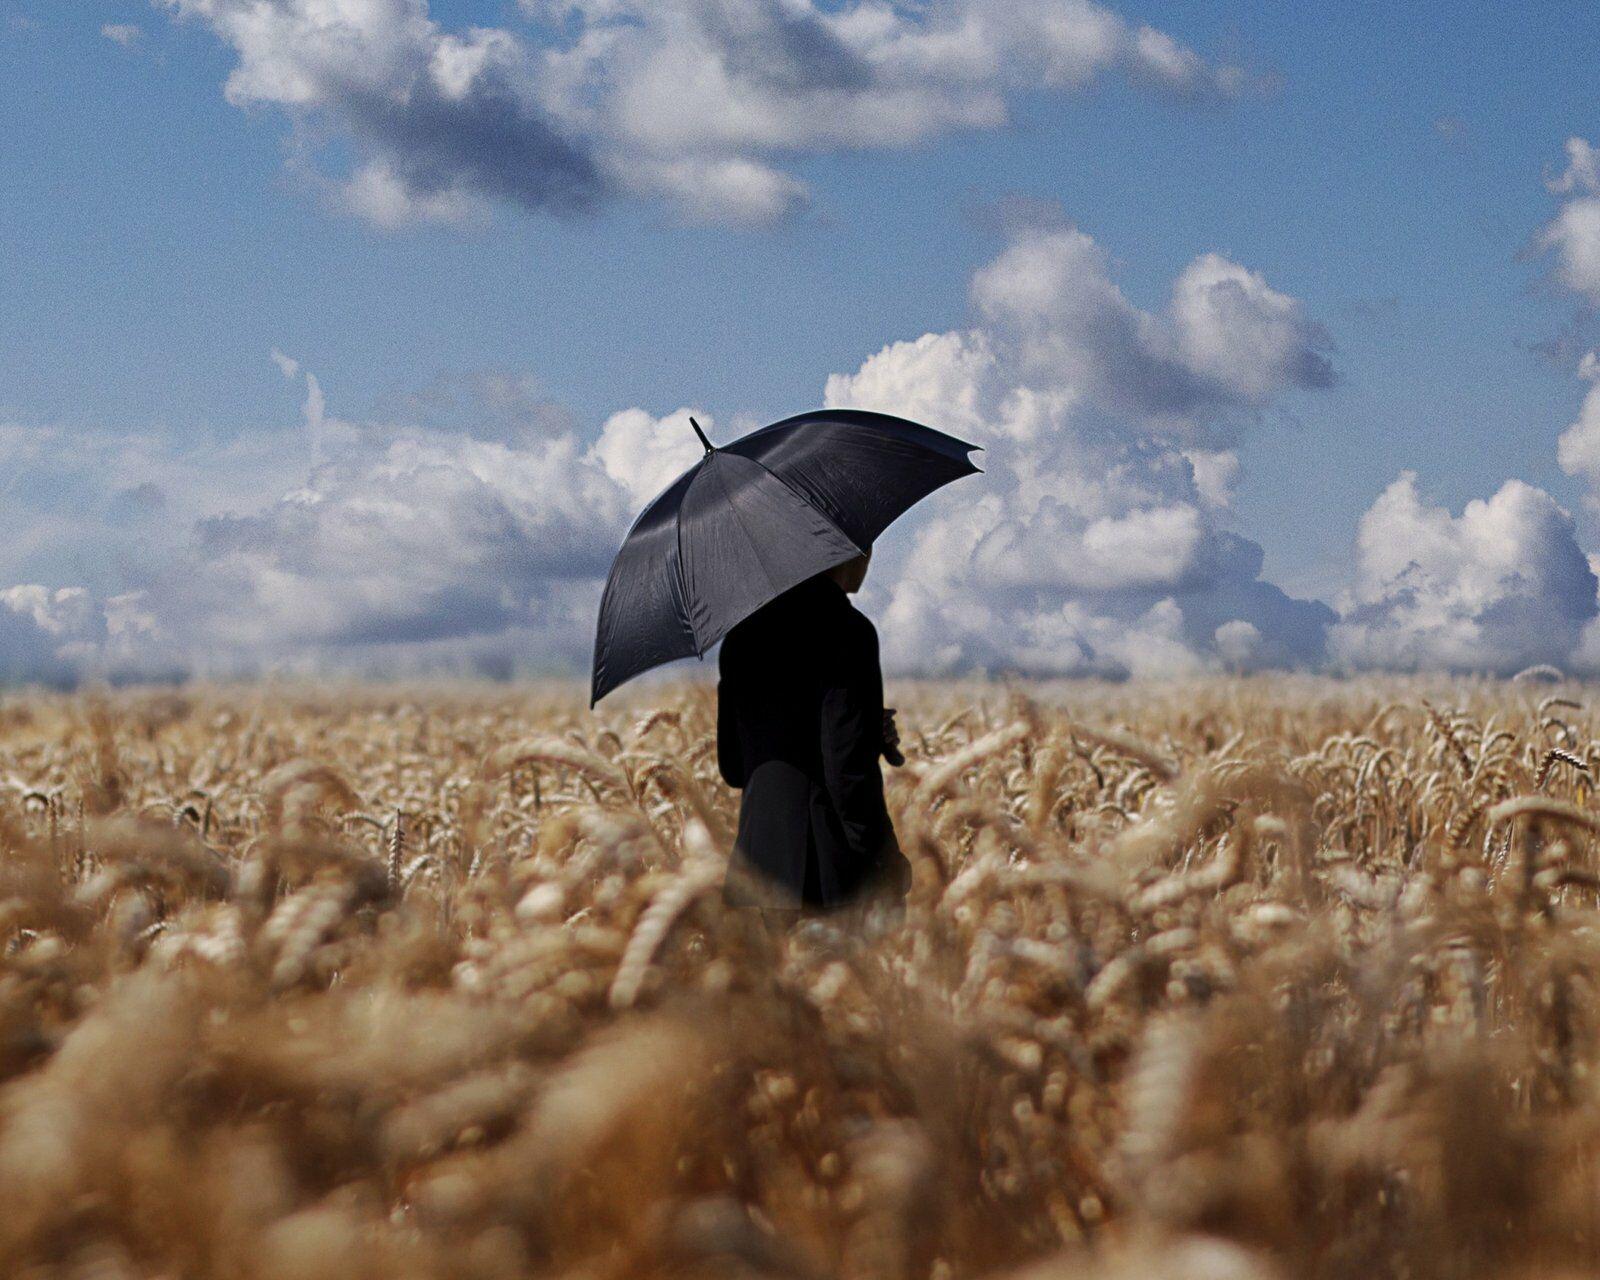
1232	981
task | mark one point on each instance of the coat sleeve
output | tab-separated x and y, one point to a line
730	762
852	738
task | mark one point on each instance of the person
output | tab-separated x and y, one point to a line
801	726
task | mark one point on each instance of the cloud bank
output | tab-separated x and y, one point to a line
388	549
1500	587
469	530
1099	541
1505	584
697	103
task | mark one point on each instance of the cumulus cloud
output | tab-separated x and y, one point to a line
65	612
1578	449
645	454
1573	235
1503	585
1500	587
426	545
94	507
1215	471
1227	342
1097	543
472	531
1582	173
41	631
413	538
442	121
697	102
378	547
1248	339
1238	644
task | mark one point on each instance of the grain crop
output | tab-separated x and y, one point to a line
1251	979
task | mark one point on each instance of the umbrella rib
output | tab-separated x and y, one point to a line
694	631
738	519
755	546
800	497
683	581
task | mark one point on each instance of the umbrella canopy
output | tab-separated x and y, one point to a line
752	519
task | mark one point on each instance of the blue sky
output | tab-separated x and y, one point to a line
1385	166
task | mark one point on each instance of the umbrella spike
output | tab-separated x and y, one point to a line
710	448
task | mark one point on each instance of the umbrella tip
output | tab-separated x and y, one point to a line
710	448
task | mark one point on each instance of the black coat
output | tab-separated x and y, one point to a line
800	730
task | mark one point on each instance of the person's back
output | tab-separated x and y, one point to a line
800	728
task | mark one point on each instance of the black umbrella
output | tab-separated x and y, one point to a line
754	518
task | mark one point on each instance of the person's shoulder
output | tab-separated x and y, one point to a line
731	652
857	636
860	625
751	640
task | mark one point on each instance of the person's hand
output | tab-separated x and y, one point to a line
891	739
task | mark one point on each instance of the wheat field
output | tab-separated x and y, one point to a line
1237	980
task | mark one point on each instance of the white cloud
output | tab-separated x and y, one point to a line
730	190
693	101
65	612
940	377
1094	543
91	507
42	631
1573	235
1252	341
1582	172
1227	343
1499	587
1578	449
1098	542
1239	644
1055	549
376	547
1215	473
315	414
383	197
406	537
440	121
124	33
645	454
